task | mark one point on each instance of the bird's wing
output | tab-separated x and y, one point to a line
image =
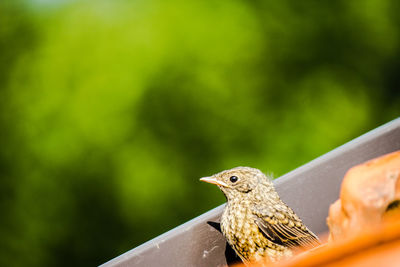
283	226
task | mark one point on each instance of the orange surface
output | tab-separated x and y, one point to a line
380	247
367	191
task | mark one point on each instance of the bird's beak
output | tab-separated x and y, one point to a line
212	180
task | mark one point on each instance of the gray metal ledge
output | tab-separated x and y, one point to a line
309	190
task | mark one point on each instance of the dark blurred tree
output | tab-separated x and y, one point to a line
17	36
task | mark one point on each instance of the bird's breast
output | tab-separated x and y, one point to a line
243	235
241	232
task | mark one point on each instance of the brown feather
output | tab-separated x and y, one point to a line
281	233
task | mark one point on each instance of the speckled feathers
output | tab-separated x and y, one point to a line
255	222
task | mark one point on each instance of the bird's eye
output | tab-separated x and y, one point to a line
233	179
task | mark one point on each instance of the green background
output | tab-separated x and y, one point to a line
110	111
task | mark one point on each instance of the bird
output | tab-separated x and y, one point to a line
256	223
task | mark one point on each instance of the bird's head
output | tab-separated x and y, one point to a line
238	181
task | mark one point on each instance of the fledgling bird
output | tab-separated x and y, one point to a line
255	221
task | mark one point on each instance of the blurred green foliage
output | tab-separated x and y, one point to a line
110	111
